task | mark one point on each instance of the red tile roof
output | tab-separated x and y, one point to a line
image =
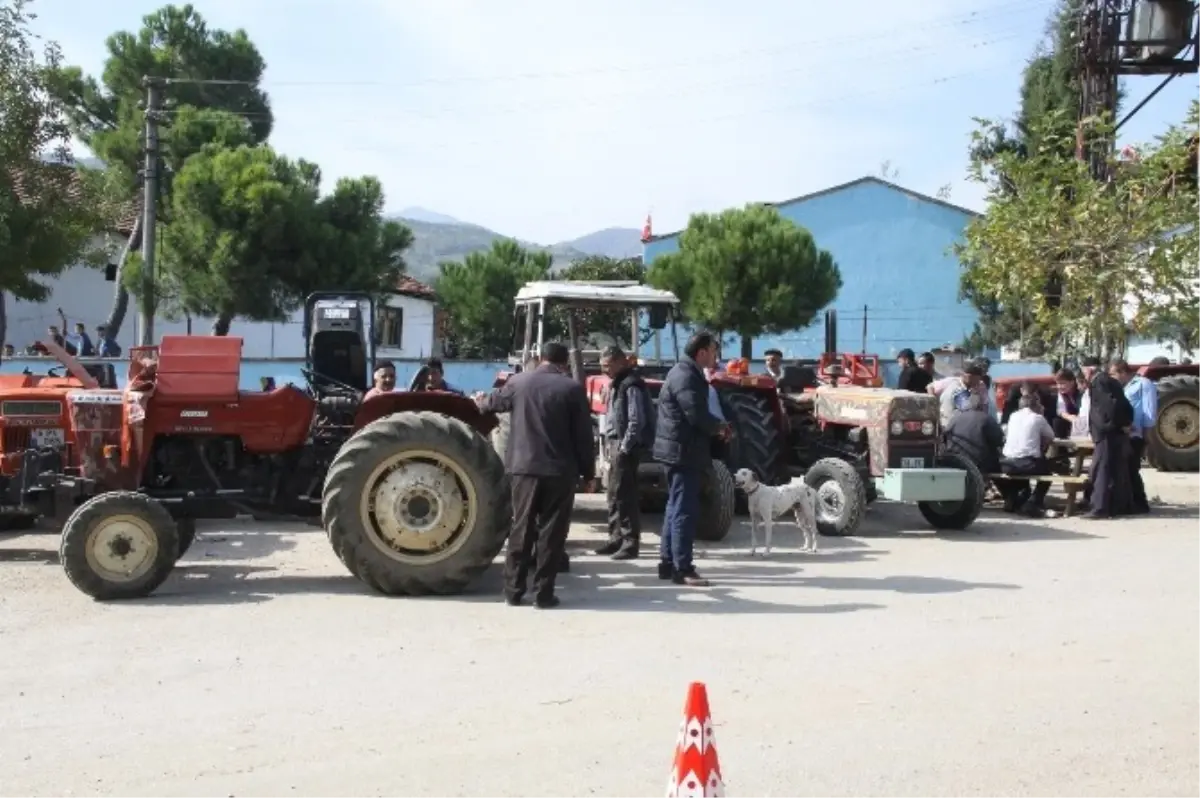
407	286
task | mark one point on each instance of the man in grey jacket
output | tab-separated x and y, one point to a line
549	450
682	441
628	433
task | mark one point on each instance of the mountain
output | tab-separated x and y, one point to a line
419	214
613	242
436	242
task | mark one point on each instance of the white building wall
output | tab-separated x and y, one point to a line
84	295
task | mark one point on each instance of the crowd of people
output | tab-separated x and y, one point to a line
1113	406
550	450
77	343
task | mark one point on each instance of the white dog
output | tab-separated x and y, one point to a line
769	502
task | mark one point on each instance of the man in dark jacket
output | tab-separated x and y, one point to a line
682	438
628	432
976	435
912	377
1109	419
549	449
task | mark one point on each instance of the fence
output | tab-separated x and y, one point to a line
466	375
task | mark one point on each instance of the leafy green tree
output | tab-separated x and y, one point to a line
1130	241
1049	95
748	270
599	325
477	295
50	211
173	42
250	236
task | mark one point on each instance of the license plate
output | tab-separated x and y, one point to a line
48	438
336	313
912	462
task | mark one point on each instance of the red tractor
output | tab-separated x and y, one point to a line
1174	442
411	494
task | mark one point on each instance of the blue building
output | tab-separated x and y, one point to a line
894	249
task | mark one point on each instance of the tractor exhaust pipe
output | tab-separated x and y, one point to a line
831	349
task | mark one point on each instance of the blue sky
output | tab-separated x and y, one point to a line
547	119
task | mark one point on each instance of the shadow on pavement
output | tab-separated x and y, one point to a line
37	556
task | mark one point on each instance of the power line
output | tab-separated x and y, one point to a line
822	43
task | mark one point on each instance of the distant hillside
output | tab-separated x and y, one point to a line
613	242
419	214
434	243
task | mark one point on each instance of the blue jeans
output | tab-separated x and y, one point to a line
679	522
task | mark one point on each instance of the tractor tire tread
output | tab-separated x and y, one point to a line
361	454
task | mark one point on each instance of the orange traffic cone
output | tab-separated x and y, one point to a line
696	772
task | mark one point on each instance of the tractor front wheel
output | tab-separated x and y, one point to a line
1173	442
841	496
119	545
417	503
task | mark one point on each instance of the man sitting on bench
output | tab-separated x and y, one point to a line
1025	455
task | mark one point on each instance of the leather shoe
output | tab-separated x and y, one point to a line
548	603
610	547
626	554
690	578
666	570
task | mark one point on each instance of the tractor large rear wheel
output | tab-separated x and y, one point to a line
119	545
957	515
716	504
1174	442
757	441
417	503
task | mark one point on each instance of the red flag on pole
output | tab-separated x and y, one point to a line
646	230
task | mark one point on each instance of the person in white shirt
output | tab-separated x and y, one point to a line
952	392
774	362
1024	454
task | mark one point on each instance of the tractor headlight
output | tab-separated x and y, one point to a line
927	428
897	428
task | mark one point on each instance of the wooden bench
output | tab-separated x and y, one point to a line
1071	485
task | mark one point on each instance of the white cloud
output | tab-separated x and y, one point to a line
547	119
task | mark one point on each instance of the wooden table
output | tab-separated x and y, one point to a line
1080	449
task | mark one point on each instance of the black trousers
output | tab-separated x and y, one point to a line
624	511
1138	500
1016	493
541	519
1111	494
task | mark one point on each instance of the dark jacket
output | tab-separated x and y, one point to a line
914	378
551	432
629	412
1110	411
685	426
976	435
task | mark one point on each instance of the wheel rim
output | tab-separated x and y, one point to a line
831	502
418	506
122	548
1179	425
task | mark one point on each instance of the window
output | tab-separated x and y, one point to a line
390	322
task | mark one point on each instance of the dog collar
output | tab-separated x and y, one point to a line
752	490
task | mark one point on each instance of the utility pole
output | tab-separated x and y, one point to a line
154	98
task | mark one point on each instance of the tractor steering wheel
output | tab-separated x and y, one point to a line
420	380
53	371
313	378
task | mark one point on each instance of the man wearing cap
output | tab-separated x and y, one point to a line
952	392
912	377
628	434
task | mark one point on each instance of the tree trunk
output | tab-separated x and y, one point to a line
3	321
221	324
748	346
120	305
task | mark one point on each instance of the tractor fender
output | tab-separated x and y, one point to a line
441	402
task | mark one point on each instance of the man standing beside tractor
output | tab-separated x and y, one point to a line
628	433
682	442
549	449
